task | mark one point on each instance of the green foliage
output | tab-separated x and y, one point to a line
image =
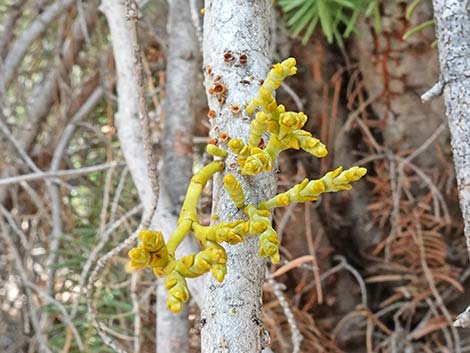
420	27
337	18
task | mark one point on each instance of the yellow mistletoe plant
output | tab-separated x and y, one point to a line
286	132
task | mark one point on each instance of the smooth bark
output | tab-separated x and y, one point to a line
130	135
173	330
232	318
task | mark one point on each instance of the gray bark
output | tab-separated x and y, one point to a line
173	330
19	48
452	18
14	13
127	121
179	115
231	318
130	136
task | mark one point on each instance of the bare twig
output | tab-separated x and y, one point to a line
356	275
196	20
132	17
295	97
433	92
432	285
311	248
23	42
296	335
54	191
117	194
96	250
92	311
66	174
136	308
33	313
19	149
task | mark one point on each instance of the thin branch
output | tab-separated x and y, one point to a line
66	173
92	310
54	191
96	250
33	313
295	333
295	97
21	45
196	20
132	17
14	13
19	149
136	308
356	275
69	130
433	92
117	194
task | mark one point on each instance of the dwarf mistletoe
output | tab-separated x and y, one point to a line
285	132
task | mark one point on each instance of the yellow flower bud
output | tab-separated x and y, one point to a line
250	109
258	162
180	292
201	263
258	128
265	95
310	144
174	304
316	187
158	271
269	245
139	258
216	151
234	190
151	240
188	260
258	227
219	271
236	145
159	259
289	63
292	120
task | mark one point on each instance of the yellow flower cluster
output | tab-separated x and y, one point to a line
285	127
213	257
152	252
285	130
310	190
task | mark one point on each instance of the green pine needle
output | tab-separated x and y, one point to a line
304	15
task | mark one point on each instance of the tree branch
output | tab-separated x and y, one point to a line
181	68
21	45
452	18
232	319
67	173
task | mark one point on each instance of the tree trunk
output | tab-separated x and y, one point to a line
452	18
173	329
231	318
